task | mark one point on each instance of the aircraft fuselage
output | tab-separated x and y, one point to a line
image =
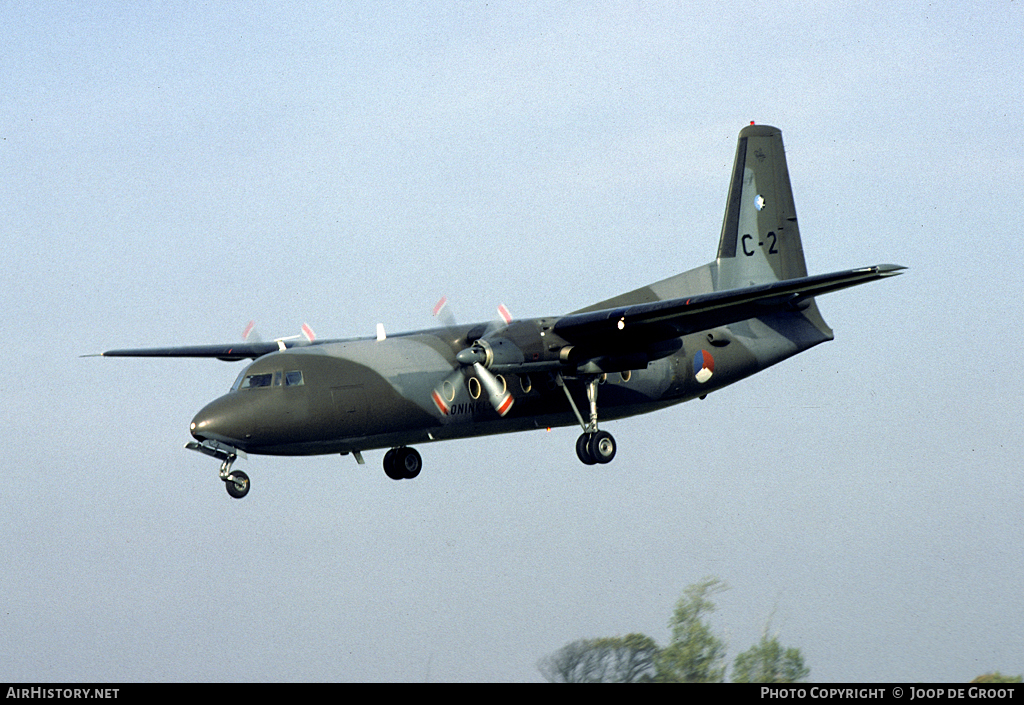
366	393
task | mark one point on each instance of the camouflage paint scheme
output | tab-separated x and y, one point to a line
668	342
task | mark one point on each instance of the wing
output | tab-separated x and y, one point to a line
229	352
632	327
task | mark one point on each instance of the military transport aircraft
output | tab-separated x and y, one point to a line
674	340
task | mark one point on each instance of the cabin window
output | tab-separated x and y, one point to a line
293	378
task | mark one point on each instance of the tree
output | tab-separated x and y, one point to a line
997	677
695	654
620	659
768	662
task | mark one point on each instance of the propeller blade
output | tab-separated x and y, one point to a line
497	393
504	313
250	334
496	324
443	313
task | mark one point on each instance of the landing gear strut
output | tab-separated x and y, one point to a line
594	446
402	463
236	482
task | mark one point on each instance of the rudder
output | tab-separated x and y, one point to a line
760	240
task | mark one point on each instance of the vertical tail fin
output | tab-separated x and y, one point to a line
760	240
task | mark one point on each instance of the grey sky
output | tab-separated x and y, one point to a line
172	170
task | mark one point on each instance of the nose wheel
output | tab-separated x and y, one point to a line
236	482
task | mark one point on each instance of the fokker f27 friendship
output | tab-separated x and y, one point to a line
669	342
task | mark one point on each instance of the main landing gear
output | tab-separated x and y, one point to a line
402	463
594	446
236	482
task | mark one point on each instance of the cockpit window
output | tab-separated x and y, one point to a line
260	380
292	378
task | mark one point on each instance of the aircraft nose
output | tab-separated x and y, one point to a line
218	421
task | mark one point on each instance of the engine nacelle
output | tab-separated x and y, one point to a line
499	351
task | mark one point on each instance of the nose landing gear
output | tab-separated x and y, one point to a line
236	482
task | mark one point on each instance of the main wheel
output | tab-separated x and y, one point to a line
237	484
402	463
389	465
583	450
602	447
408	462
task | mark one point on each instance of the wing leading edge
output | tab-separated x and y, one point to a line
228	352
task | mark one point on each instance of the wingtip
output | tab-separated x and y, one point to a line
890	270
